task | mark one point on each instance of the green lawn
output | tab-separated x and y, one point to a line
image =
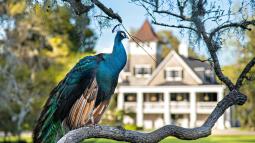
211	139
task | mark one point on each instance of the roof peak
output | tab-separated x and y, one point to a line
146	33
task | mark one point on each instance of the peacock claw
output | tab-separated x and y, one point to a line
92	125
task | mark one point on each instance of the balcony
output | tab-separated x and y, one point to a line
205	107
179	107
175	107
153	107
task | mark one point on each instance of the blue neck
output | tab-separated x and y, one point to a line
118	55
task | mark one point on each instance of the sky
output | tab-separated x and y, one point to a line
133	17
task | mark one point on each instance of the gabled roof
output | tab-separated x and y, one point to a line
193	64
146	33
181	60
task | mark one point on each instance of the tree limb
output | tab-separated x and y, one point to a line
245	71
233	98
212	48
107	11
243	25
182	17
80	8
174	26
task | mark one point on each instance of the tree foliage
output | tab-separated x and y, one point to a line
35	43
249	88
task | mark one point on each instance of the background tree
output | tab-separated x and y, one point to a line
36	42
245	53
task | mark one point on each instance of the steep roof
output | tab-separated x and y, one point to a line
146	33
195	63
181	60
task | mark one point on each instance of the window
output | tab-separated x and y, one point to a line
209	76
207	97
130	97
142	70
173	74
179	97
153	97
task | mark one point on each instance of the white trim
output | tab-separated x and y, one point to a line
172	89
166	60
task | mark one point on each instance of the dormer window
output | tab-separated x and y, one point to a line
173	74
209	76
142	70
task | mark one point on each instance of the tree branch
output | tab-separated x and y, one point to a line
182	17
174	26
243	25
233	98
80	8
213	47
245	71
107	11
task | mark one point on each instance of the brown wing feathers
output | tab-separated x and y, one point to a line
81	111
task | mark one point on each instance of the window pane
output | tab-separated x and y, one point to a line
143	71
173	74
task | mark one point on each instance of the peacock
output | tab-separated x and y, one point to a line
82	97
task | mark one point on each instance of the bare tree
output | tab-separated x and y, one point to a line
224	17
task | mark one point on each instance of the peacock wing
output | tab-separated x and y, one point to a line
81	110
79	81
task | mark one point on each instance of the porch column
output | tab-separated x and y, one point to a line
193	109
139	109
220	123
228	118
120	102
167	117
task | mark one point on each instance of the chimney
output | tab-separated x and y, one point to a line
183	49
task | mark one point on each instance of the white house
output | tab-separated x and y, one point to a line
174	90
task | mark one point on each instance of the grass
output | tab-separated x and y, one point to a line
211	139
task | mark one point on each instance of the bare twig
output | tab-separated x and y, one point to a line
196	59
182	17
174	26
243	25
80	8
107	11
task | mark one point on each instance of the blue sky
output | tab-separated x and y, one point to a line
133	17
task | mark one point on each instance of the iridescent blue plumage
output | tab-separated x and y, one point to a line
83	95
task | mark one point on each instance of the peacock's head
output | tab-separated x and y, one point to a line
122	35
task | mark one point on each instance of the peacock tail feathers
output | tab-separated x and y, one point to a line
48	128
